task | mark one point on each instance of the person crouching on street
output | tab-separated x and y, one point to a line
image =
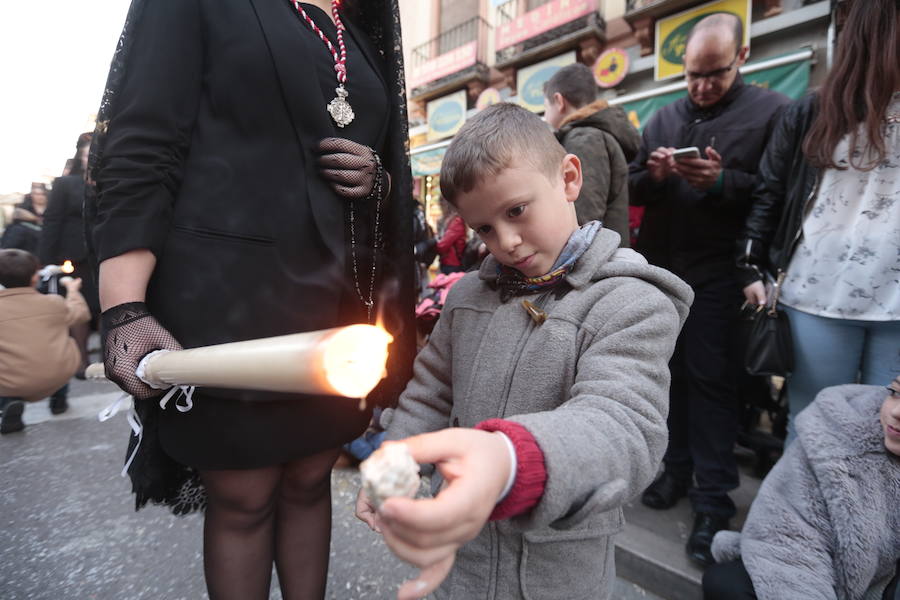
37	356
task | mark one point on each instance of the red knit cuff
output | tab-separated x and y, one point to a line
531	474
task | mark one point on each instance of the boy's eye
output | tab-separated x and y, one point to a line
484	229
516	210
893	393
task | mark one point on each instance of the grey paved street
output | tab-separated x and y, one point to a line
68	529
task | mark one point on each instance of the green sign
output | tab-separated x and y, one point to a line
791	80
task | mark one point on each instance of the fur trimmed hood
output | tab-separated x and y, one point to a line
611	119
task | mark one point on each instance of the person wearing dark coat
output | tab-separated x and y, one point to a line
824	226
695	209
602	137
237	198
62	238
24	233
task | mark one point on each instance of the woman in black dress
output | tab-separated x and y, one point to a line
228	203
62	239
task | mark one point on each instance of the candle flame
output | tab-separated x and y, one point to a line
355	359
67	267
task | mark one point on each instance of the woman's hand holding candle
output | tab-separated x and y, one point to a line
129	333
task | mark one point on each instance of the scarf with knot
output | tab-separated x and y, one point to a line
511	282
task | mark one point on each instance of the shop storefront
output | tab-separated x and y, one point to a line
788	74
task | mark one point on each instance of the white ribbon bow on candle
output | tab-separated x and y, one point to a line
110	411
187	390
133	419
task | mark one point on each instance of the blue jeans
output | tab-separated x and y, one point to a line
830	351
364	445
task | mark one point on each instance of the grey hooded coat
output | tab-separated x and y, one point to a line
825	524
590	384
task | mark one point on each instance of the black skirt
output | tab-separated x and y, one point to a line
223	433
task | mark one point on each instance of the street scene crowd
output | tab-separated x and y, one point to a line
551	359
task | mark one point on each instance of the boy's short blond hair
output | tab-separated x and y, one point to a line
491	141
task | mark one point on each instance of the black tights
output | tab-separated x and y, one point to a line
255	517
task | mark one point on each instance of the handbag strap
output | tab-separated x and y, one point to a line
776	293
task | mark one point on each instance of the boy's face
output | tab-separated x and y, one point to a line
890	418
523	217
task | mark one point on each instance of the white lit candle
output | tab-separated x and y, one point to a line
344	361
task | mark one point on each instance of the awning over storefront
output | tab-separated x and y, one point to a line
788	74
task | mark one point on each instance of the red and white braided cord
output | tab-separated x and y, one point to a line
340	60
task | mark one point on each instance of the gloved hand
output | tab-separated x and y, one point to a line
129	333
352	170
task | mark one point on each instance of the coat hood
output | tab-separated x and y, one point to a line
611	119
605	259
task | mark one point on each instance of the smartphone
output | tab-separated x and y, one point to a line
689	152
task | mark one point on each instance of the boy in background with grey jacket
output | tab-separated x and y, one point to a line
545	383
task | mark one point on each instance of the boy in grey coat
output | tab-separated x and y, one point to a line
548	366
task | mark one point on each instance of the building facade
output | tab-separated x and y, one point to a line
463	55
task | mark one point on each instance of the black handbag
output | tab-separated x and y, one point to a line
769	349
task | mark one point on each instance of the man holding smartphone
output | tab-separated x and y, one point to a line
694	174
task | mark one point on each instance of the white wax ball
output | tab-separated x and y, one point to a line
390	471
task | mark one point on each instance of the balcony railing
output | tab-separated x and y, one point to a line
454	50
509	11
523	25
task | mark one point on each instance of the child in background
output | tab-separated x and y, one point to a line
37	356
452	243
545	383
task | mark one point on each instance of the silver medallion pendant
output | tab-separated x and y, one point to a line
339	109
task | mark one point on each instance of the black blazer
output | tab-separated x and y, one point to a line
209	163
62	237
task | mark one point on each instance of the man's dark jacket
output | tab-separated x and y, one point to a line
603	138
786	183
692	232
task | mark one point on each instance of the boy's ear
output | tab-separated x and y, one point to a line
34	279
560	101
572	177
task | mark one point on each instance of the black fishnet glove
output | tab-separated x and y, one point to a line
129	333
352	170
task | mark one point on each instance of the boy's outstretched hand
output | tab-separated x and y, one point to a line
427	532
